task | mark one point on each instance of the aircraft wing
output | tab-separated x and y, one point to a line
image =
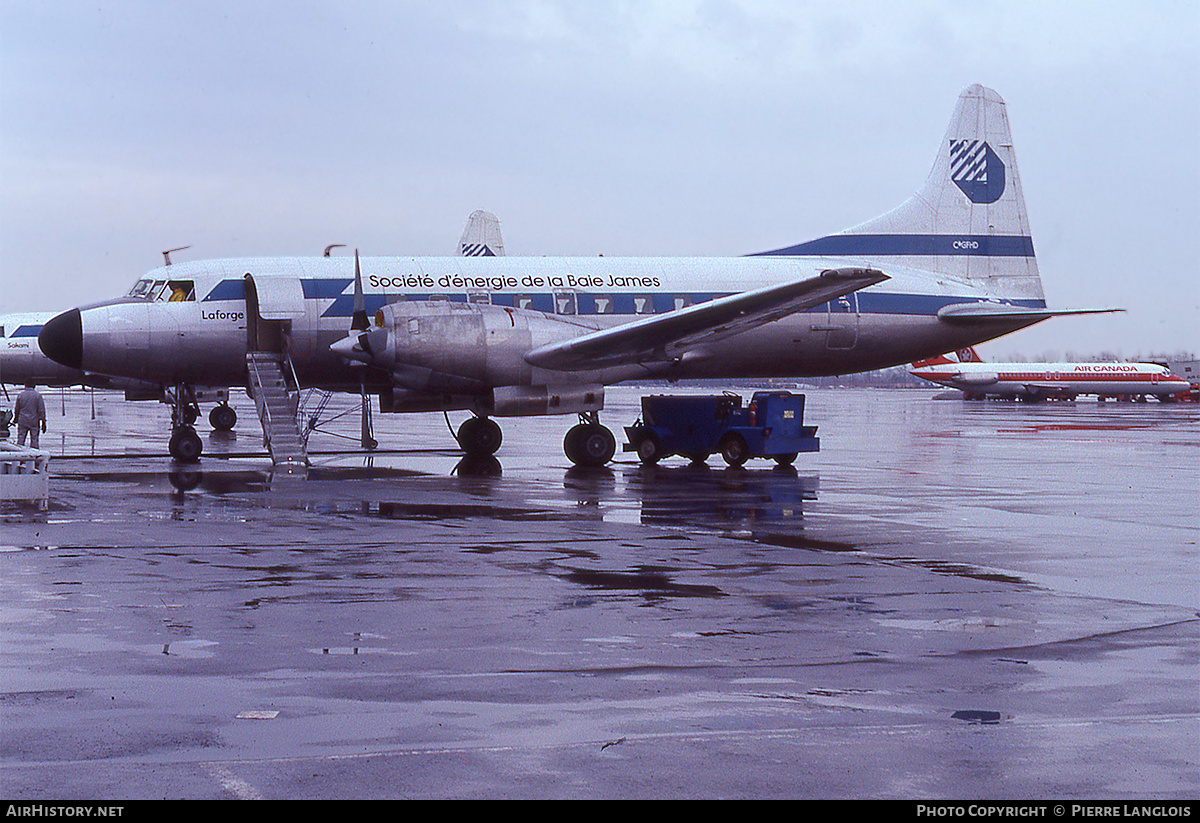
965	314
665	337
1034	387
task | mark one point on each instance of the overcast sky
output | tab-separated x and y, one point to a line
703	127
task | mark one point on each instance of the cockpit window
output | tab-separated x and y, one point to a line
180	290
142	288
174	291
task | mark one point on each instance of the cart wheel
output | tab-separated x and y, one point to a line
734	450
786	459
649	449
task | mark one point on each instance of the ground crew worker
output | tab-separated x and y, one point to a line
30	413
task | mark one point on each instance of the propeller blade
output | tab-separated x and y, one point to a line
358	322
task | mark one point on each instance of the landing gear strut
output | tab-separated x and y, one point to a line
185	445
589	443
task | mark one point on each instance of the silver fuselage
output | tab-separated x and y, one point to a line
203	336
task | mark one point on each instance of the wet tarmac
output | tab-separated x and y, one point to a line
950	600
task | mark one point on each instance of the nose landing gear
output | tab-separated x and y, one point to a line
185	445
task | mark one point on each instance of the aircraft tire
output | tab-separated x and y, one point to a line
185	445
223	417
479	436
734	450
589	444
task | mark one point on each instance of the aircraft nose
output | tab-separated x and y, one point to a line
61	339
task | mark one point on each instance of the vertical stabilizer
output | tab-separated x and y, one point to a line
481	238
968	221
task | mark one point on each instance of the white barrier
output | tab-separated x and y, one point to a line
24	473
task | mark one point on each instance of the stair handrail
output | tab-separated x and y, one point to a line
264	410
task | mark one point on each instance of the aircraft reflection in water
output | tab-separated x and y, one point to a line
501	336
690	495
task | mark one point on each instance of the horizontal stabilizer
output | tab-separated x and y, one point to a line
665	337
966	314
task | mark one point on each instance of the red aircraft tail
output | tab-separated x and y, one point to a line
964	356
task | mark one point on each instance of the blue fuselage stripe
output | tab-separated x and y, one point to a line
587	304
912	245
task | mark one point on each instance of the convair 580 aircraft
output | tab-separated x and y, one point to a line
510	336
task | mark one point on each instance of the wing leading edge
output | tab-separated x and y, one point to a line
666	337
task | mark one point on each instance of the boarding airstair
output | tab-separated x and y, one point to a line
277	402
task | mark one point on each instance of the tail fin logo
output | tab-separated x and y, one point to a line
976	170
476	250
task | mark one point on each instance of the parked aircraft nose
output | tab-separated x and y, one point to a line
61	339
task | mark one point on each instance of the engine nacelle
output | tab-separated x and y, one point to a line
429	343
519	401
404	400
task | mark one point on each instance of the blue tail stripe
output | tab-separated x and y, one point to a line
914	245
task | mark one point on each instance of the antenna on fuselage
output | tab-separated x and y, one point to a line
333	246
167	253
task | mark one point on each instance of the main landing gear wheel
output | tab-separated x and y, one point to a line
589	444
479	436
185	445
223	417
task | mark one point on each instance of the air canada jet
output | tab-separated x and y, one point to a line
505	336
1039	381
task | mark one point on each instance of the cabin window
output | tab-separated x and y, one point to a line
564	302
604	303
643	304
523	301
